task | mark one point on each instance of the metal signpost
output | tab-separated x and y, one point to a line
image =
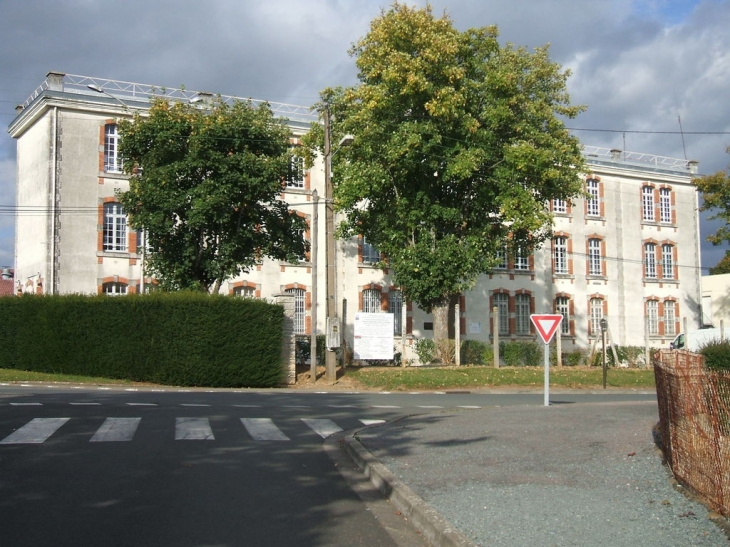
546	325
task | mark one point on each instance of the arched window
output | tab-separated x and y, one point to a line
115	228
371	301
299	309
114	289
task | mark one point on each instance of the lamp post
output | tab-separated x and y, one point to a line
333	326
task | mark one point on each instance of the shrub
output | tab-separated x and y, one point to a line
446	351
574	358
531	354
717	355
426	350
473	352
511	353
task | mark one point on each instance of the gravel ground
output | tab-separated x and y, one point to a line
546	476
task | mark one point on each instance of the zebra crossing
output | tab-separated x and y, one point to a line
123	429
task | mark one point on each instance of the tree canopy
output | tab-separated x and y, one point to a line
458	149
716	197
205	186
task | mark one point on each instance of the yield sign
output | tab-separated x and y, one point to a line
546	324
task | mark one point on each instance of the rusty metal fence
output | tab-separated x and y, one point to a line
694	420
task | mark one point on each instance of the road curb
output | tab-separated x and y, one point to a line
438	531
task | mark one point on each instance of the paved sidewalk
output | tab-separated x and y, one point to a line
568	474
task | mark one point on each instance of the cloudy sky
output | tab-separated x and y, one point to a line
640	66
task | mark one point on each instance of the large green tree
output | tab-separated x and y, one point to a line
716	198
459	146
205	186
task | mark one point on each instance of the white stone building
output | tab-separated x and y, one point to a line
629	253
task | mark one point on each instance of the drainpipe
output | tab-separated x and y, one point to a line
54	182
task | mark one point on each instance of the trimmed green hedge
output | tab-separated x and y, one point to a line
185	339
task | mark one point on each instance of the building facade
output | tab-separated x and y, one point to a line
628	252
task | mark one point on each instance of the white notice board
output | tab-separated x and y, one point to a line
373	336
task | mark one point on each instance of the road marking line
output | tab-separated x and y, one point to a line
35	432
85	404
26	404
193	429
116	429
322	426
192	404
342	406
430	406
263	429
372	422
141	404
384	406
469	406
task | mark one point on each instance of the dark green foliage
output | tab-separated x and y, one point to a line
515	354
426	350
473	352
573	358
717	355
187	339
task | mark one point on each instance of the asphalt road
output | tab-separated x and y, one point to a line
203	468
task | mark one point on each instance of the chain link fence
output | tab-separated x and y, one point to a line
694	420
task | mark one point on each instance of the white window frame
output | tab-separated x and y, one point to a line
595	261
560	206
595	310
244	292
296	173
502	258
650	271
371	302
300	311
652	317
522	262
667	261
593	202
501	302
395	306
115	288
112	162
665	205
370	253
647	203
562	306
670	317
115	228
522	313
560	255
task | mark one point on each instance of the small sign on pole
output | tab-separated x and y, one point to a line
546	325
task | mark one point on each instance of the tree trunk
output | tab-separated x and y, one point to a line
217	286
440	311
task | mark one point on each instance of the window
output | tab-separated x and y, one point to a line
112	161
295	175
595	309
522	261
652	317
370	253
522	314
667	261
501	259
299	309
560	206
560	255
593	202
595	261
665	205
670	318
395	306
501	302
114	289
562	306
650	261
244	292
647	203
115	228
371	301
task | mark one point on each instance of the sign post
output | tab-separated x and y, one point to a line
546	324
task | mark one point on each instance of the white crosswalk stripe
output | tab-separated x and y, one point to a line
116	429
35	432
193	429
124	429
263	429
324	427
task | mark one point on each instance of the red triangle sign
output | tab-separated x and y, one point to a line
546	324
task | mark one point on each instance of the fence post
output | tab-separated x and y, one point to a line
288	339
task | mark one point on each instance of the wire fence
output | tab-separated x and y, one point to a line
694	421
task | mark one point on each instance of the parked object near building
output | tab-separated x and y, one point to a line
697	339
628	252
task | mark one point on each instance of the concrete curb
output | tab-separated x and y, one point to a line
438	531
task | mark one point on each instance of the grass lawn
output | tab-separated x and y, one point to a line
394	378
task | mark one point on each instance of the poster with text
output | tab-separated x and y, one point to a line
373	336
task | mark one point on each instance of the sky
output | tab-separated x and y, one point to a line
644	68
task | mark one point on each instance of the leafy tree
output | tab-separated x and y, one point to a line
458	149
716	197
204	186
723	266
